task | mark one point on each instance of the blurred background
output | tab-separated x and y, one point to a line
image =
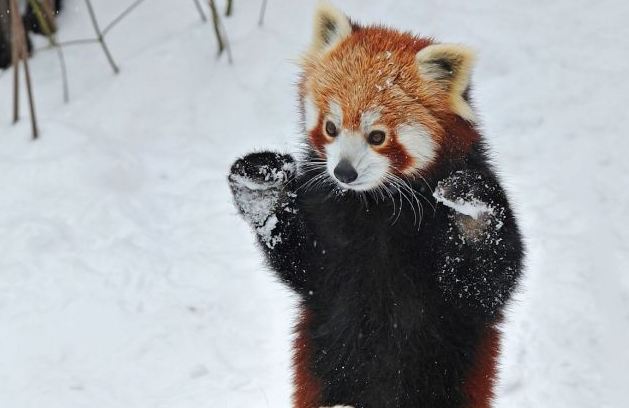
126	277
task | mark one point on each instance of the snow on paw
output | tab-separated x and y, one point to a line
262	171
473	216
257	182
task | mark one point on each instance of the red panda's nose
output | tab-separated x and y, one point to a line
345	172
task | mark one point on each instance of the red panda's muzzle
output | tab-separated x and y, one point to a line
345	172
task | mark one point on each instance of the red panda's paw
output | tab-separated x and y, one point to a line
461	191
257	182
468	197
262	170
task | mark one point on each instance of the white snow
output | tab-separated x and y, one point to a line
473	207
265	232
127	278
258	200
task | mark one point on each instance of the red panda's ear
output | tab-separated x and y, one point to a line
450	65
330	27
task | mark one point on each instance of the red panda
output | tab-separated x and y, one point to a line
392	227
364	80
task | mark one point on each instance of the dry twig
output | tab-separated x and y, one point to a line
100	37
262	12
121	16
219	32
20	53
229	8
200	10
43	18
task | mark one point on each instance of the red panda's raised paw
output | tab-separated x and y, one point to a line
258	183
468	195
261	171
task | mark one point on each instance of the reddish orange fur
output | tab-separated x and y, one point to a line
307	388
480	382
375	68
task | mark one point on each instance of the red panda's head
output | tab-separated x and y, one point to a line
379	103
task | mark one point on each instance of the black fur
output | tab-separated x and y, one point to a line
5	51
397	312
5	40
31	24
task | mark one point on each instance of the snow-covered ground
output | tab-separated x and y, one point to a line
127	280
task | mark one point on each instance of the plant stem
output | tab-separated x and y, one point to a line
15	59
262	12
20	52
230	8
31	99
121	16
43	18
100	38
217	27
200	10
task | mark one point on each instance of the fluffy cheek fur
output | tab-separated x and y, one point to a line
418	144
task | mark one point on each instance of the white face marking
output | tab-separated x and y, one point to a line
418	144
311	113
352	146
369	118
336	114
370	166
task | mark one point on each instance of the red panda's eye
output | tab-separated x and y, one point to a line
376	137
330	129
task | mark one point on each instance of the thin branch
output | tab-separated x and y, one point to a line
200	10
41	19
78	42
52	40
219	31
262	12
20	52
64	74
228	46
49	14
229	8
122	15
29	92
15	59
58	45
16	91
217	27
100	38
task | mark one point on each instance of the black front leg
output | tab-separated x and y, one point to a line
263	188
479	254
